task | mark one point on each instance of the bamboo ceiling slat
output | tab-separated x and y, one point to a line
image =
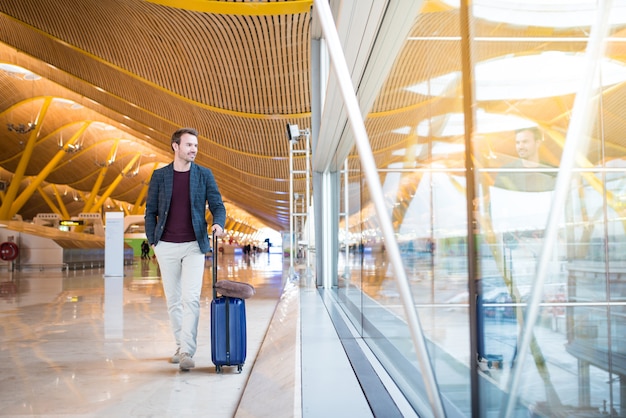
145	69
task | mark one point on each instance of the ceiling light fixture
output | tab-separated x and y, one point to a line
72	148
21	128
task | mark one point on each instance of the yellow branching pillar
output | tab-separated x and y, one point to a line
99	180
50	203
140	205
486	226
18	175
62	208
36	182
97	206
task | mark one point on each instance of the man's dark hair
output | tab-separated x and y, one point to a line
537	134
180	132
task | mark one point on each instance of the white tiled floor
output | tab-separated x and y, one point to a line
75	344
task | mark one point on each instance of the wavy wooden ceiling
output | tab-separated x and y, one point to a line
131	72
143	70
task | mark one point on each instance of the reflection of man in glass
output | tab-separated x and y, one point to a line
527	144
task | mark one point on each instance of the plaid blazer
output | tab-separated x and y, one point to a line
203	189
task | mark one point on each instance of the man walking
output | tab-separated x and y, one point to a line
176	228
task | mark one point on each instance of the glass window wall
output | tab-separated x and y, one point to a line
474	259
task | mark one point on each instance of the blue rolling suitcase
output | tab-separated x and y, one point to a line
228	326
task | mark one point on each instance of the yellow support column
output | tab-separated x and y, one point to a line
5	209
140	205
28	192
97	206
49	201
62	207
94	191
103	171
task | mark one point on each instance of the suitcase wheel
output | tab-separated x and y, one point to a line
239	368
218	369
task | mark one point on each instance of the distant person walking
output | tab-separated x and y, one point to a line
145	250
176	228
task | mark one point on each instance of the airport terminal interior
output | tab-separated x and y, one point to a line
428	196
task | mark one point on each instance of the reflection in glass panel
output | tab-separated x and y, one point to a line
434	252
567	371
526	79
350	261
545	13
512	222
542	75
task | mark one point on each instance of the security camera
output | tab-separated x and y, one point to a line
293	132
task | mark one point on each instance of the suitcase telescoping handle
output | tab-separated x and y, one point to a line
215	251
226	300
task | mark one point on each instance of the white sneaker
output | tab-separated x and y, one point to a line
176	357
186	362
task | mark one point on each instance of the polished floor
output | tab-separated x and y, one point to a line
78	344
74	343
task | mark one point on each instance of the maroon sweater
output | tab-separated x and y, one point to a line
178	227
